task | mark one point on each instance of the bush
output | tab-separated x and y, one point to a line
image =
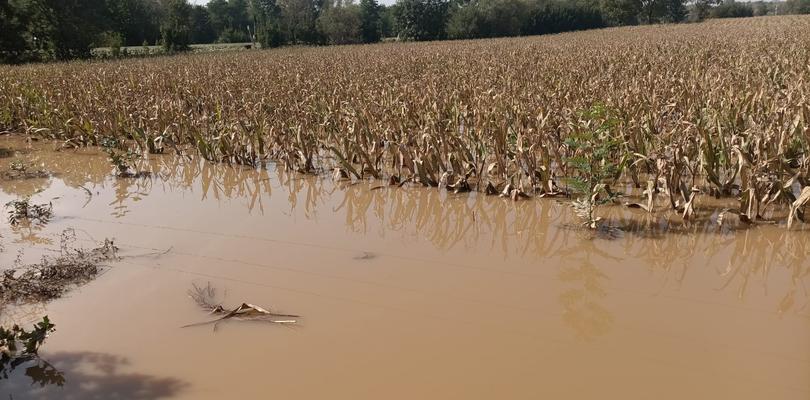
422	19
732	9
556	17
486	18
114	41
798	6
341	24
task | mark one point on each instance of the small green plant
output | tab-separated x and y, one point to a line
16	341
594	147
18	346
22	210
122	159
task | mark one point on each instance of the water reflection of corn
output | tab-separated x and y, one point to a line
720	108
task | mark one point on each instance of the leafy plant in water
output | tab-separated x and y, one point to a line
18	346
122	159
17	341
594	148
22	210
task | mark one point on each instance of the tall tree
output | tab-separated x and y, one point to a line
673	11
798	6
388	23
371	22
219	15
341	23
138	21
298	20
176	27
546	17
14	46
487	18
239	20
621	12
267	16
70	27
422	19
201	29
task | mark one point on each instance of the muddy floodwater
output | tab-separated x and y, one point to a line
405	293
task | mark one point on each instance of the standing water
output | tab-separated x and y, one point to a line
404	292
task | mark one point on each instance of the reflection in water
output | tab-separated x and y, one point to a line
129	190
757	256
22	188
581	309
448	220
39	371
88	376
30	233
525	230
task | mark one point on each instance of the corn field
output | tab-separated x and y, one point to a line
673	111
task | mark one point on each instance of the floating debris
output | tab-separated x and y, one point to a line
366	255
19	170
53	276
205	297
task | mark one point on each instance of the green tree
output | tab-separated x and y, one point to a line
218	15
341	23
371	21
230	20
422	19
388	25
673	11
557	16
798	6
136	20
266	16
176	27
732	9
760	8
14	46
239	21
201	29
702	9
621	12
298	20
70	27
486	18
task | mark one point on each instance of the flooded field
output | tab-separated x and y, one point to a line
404	292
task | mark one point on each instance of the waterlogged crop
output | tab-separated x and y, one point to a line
677	111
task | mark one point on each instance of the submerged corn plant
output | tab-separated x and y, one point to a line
717	109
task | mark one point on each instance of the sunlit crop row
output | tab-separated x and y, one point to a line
718	108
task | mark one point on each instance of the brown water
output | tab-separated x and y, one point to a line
406	293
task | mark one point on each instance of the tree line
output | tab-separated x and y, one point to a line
41	30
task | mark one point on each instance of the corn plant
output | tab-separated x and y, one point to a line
716	109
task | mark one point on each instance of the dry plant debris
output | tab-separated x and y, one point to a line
53	276
205	297
20	170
